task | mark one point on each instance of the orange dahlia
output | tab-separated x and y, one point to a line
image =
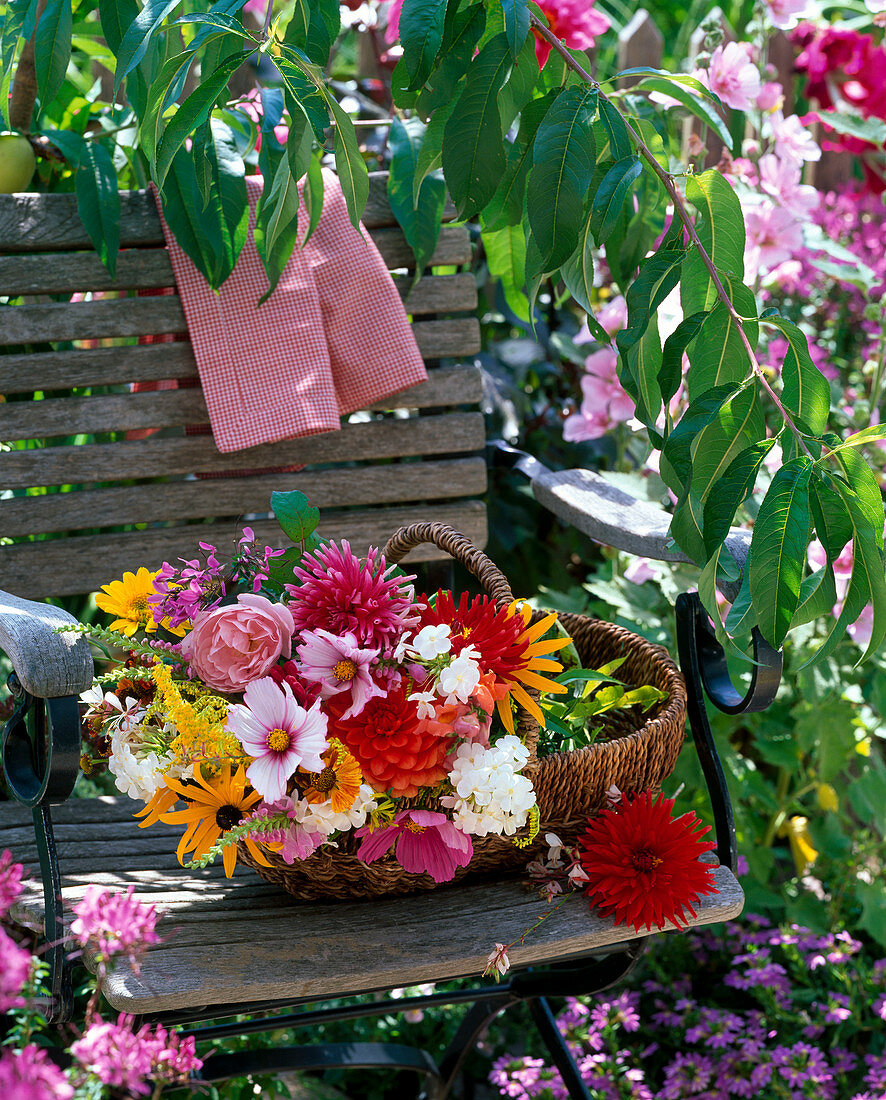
642	863
387	739
510	649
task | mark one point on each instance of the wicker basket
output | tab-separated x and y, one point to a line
636	751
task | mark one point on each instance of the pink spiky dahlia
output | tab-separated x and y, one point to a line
344	595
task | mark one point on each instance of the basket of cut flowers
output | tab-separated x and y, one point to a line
307	711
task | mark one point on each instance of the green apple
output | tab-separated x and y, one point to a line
17	163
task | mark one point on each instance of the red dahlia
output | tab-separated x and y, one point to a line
642	863
394	753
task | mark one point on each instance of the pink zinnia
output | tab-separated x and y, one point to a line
281	735
28	1074
426	841
338	665
343	595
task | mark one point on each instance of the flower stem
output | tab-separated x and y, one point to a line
683	214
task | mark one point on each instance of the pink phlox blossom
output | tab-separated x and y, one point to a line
251	564
611	317
28	1074
732	75
780	180
15	967
281	735
339	665
773	234
784	13
861	630
180	593
425	842
10	881
134	1060
791	139
114	923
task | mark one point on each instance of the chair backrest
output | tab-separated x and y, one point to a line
82	502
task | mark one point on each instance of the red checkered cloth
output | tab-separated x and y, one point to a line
332	338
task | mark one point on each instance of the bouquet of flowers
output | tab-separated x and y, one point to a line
281	701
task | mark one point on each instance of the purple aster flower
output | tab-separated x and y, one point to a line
687	1075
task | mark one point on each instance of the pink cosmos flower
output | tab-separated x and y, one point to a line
732	75
780	179
784	13
28	1074
236	644
338	665
792	140
773	236
298	840
15	966
341	594
574	22
426	841
280	734
114	923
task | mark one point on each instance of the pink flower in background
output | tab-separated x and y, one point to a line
792	140
780	180
392	30
28	1074
426	841
10	881
338	664
114	923
604	405
280	734
732	75
236	644
861	630
135	1060
611	317
770	97
15	966
773	235
642	569
784	13
574	22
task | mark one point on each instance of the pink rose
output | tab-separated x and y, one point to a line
233	645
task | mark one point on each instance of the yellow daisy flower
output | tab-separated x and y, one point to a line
128	600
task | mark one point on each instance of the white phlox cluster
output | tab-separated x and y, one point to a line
460	677
490	794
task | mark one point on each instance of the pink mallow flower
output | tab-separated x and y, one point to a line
236	644
114	923
784	13
771	96
28	1074
780	180
281	735
791	138
773	236
733	76
604	403
339	665
426	841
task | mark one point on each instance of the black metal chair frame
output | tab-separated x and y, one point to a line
40	756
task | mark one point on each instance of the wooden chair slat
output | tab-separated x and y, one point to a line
255	942
66	566
65	416
49	223
115	317
149	268
109	366
450	433
220	497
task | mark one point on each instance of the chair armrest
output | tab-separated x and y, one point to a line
48	665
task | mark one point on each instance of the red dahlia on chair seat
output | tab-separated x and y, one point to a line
642	863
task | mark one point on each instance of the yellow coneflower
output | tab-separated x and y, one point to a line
339	781
214	806
128	600
163	801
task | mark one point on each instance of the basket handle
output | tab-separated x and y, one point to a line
459	546
490	576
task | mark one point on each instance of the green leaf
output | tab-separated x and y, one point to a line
183	208
303	96
640	379
52	47
299	144
520	87
818	594
858	439
864	484
419	221
98	195
733	489
719	355
430	156
276	224
349	163
461	34
578	272
158	99
721	231
658	277
563	162
507	204
138	37
323	29
805	390
833	524
778	549
473	149
217	19
421	35
192	113
313	196
694	103
871	129
295	514
116	18
610	196
516	14
671	374
670	79
506	255
616	130
676	455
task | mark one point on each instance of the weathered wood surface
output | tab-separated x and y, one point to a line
450	433
108	318
241	939
48	665
150	268
63	416
109	366
218	498
31	223
81	563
